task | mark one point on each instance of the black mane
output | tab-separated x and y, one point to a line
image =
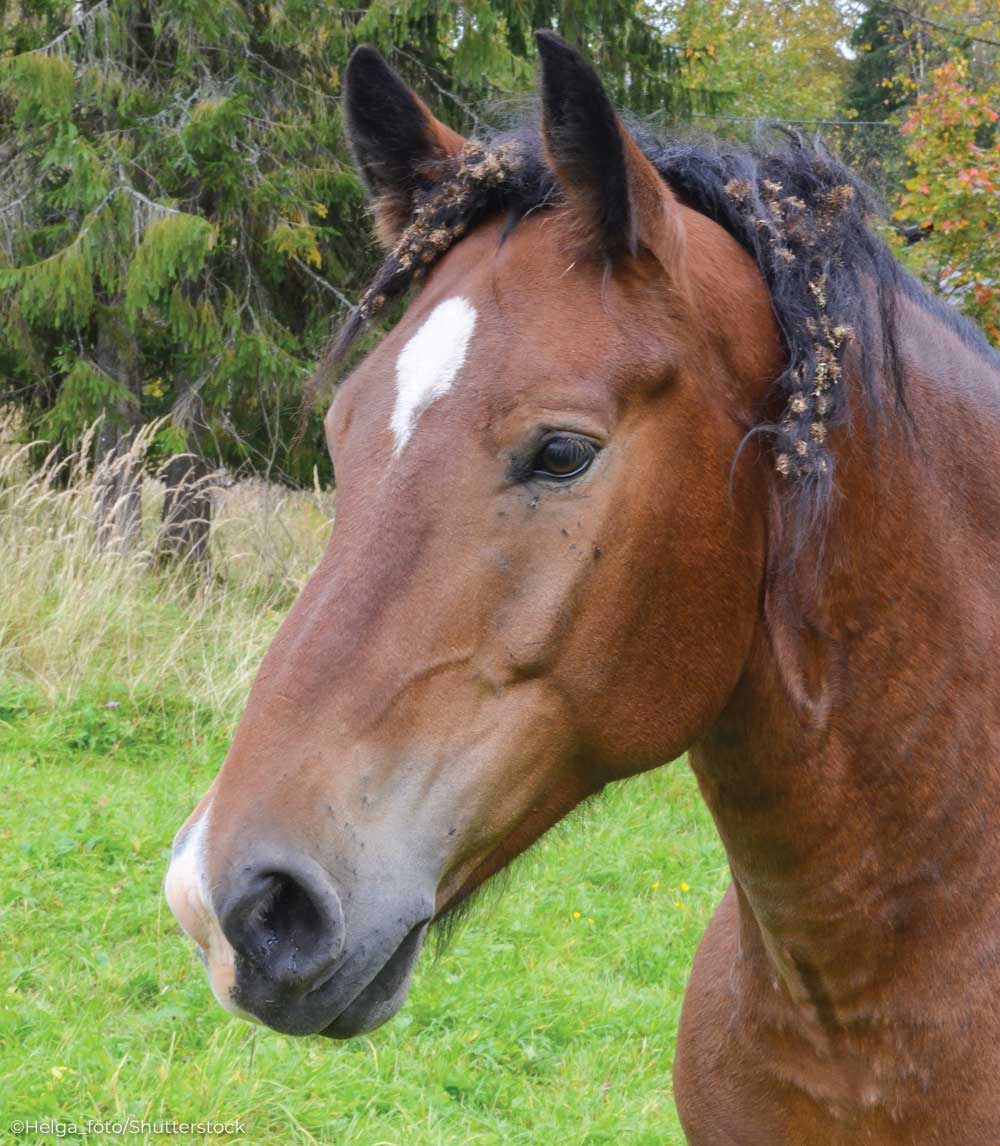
801	215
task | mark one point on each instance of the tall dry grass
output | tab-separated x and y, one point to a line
78	615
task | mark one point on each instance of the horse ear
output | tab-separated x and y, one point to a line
616	192
394	137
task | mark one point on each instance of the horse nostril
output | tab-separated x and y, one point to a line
291	928
286	909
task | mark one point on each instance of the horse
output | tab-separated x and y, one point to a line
665	455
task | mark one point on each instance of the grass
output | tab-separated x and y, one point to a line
552	1015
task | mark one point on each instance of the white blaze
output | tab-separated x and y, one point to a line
429	363
185	887
187	894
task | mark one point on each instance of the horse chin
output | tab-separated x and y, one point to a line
385	993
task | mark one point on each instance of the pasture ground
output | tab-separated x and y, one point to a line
549	1018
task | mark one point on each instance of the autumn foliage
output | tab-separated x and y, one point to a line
952	196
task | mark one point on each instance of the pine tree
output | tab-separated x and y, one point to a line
175	211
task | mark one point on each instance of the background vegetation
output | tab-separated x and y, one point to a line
180	232
181	228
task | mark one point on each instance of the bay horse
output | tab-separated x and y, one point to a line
666	455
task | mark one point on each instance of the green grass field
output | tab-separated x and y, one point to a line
550	1018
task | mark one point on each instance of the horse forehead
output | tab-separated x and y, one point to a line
505	313
430	362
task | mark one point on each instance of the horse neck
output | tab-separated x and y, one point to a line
855	774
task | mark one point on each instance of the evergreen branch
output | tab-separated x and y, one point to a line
88	222
949	28
151	203
286	77
96	367
193	389
91	218
320	281
77	20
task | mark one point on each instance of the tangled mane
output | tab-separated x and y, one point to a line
801	215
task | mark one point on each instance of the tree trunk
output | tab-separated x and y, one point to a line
118	472
187	510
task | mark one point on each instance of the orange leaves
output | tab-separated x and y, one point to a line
953	150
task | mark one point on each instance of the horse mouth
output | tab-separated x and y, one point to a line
382	995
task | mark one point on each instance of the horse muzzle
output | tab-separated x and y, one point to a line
280	948
294	967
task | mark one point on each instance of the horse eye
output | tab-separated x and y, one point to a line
564	457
